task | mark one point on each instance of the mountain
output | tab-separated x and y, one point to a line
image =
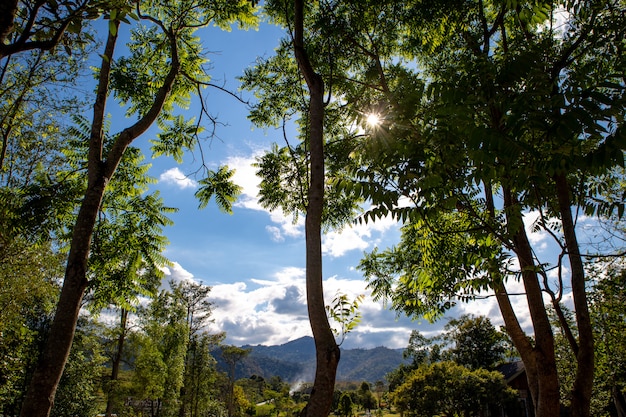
295	362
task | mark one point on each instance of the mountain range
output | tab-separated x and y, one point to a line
294	362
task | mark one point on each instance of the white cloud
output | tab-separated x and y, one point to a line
538	238
356	236
275	233
175	176
273	310
245	176
338	243
335	244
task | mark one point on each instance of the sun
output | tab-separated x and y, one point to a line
373	119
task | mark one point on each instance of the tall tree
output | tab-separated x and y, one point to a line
79	387
160	363
475	342
201	395
150	83
326	349
506	127
194	298
232	355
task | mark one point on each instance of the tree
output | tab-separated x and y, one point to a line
475	342
327	351
366	398
379	389
232	355
306	166
294	177
28	294
43	25
200	394
81	381
502	117
146	279
194	298
150	84
446	388
345	408
160	364
421	350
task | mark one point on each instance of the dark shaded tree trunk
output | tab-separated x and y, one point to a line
117	360
619	401
327	351
39	397
8	10
511	322
583	383
40	394
541	361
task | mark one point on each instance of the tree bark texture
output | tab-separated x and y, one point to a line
39	397
511	322
583	383
541	362
327	351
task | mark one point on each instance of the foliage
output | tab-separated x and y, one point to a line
160	363
467	340
43	26
345	407
218	184
232	355
79	386
198	393
162	66
345	313
608	298
476	343
28	292
451	389
506	117
365	397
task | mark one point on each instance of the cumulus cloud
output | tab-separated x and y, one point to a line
359	236
275	233
273	310
335	244
175	176
245	176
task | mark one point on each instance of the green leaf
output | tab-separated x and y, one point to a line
112	27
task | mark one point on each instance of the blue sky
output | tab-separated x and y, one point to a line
254	260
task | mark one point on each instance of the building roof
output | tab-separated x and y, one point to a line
511	370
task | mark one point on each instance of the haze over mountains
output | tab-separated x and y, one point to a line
294	362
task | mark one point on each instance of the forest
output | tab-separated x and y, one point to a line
455	118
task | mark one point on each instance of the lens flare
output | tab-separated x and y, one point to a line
373	119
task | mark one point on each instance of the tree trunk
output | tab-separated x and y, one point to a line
8	10
117	360
547	400
511	323
326	349
619	401
39	397
583	383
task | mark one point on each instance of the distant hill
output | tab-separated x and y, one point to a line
295	362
